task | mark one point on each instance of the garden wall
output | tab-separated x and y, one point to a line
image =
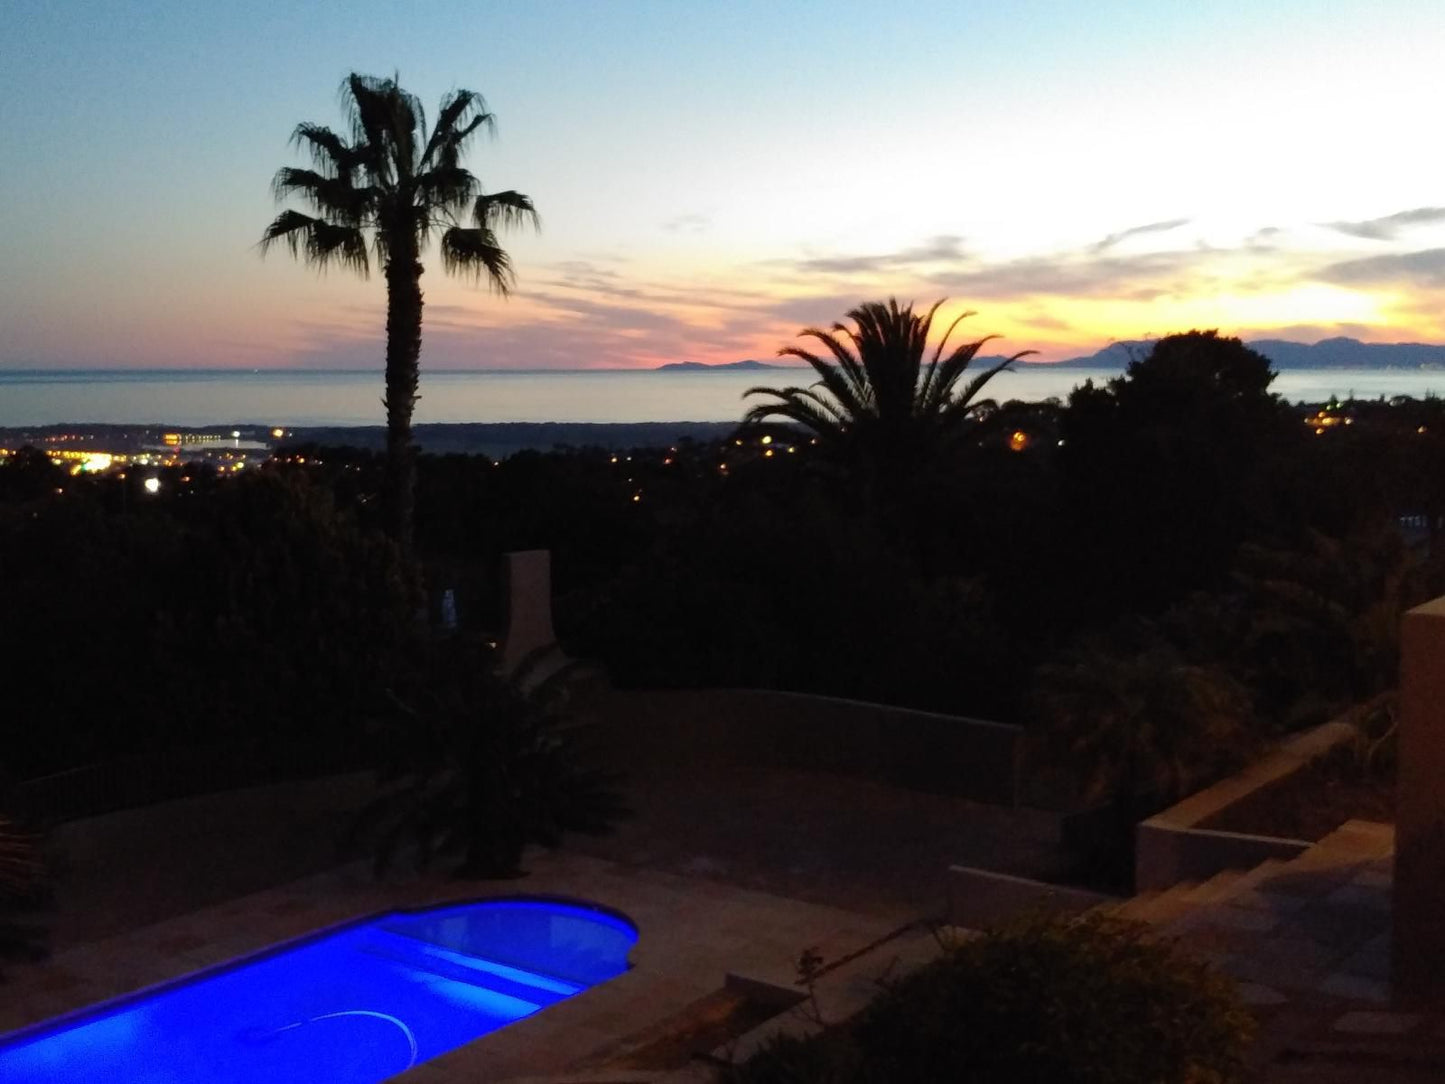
920	750
1171	847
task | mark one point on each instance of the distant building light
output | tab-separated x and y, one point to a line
278	433
152	485
767	440
235	434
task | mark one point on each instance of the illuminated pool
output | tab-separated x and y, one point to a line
354	1005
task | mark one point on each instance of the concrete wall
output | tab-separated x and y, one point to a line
1171	846
978	898
527	588
1418	942
916	749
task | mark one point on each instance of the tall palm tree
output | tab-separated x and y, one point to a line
383	193
877	402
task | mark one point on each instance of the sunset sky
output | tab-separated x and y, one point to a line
714	176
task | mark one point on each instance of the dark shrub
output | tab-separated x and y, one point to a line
1088	1000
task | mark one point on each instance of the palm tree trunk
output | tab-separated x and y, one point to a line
403	354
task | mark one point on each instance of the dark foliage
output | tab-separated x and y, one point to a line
1167	470
22	886
477	767
248	613
1045	1001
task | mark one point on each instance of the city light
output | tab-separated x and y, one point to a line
152	485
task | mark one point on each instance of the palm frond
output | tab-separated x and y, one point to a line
848	380
965	402
328	151
798	405
385	120
447	188
929	391
319	241
334	197
475	253
462	113
505	210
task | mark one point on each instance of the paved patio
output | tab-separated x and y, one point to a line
1309	942
733	872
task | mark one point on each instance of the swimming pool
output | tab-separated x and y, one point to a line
353	1005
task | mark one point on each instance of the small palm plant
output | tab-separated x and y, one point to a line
881	402
479	766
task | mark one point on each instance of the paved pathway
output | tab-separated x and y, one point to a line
1309	942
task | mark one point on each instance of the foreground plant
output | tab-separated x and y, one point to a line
385	192
478	766
1091	1000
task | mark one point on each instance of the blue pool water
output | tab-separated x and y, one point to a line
353	1006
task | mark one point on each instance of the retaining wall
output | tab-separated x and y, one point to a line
920	750
1171	847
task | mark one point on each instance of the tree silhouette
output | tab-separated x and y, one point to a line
384	192
878	404
1168	468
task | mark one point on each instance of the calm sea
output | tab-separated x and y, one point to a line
288	397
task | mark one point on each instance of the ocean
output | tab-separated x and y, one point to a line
200	397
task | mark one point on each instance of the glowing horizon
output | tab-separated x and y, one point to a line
1084	177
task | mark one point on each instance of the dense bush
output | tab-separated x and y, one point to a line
1046	1001
253	612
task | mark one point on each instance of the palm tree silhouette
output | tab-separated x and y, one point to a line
383	193
877	403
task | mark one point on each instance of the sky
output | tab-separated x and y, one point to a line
713	177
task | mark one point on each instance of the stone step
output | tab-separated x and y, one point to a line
1246	891
1128	907
1217	887
1164	907
1360	839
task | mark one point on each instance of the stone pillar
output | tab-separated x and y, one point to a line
1418	941
527	584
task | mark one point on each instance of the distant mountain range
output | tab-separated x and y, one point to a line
1339	353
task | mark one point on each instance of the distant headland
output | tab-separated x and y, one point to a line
704	367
